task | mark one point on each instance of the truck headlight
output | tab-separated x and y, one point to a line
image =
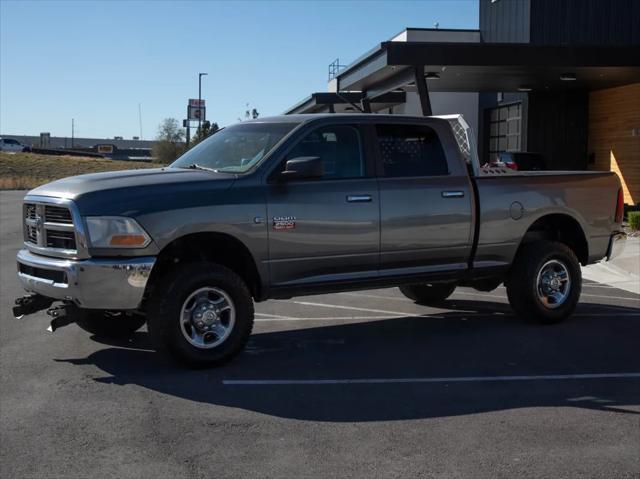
115	232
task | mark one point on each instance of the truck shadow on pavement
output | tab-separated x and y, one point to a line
474	339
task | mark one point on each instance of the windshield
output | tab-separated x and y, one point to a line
235	149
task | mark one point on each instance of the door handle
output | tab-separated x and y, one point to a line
358	198
453	194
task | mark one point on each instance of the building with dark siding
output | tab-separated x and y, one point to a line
559	78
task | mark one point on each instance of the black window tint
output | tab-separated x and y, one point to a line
410	150
339	149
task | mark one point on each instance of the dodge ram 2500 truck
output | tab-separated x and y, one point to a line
307	204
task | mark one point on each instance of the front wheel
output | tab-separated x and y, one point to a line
201	314
428	293
545	282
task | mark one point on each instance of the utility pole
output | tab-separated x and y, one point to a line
140	118
200	75
72	131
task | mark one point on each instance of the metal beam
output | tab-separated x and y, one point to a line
330	101
423	90
398	80
482	66
366	105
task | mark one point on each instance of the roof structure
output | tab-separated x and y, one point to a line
344	102
505	67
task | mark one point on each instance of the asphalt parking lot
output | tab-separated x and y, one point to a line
363	384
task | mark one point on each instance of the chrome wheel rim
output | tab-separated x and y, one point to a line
207	317
553	284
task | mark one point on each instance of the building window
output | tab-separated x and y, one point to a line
505	129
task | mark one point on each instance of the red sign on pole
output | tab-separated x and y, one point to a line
196	110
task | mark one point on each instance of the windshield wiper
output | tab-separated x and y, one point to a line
196	166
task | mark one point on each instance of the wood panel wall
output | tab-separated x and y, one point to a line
614	135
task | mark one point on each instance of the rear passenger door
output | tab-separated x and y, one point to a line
425	202
325	229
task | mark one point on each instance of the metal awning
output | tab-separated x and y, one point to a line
344	102
477	67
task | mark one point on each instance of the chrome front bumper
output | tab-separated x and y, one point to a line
616	244
117	283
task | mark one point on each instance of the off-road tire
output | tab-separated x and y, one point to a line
109	324
428	293
522	287
165	306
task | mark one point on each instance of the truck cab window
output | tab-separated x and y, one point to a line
410	150
339	149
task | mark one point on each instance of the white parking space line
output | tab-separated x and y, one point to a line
377	296
608	297
273	317
485	295
584	285
353	308
457	315
468	379
480	295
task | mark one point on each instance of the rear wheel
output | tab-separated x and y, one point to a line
428	293
545	282
201	314
110	324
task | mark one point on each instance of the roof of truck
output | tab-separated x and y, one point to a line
305	117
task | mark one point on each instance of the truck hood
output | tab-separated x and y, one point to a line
133	192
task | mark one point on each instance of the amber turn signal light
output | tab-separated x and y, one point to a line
127	240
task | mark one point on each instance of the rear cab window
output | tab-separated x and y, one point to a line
410	151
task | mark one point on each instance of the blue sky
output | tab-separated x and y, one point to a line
95	61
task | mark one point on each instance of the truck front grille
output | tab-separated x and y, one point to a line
32	234
61	239
57	214
49	226
30	212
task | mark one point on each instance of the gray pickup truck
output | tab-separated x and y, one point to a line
307	204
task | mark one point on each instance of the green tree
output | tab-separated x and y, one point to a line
207	129
169	142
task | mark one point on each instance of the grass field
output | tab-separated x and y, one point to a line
21	171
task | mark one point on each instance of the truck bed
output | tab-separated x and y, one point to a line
508	204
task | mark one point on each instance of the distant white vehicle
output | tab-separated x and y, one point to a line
9	144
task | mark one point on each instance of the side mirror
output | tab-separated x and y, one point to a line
303	167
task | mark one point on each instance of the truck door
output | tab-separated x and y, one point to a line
325	229
425	202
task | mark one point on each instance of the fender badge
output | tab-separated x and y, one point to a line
284	223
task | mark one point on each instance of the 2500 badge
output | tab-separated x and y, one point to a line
284	223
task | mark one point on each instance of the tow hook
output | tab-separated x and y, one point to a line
31	303
62	315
